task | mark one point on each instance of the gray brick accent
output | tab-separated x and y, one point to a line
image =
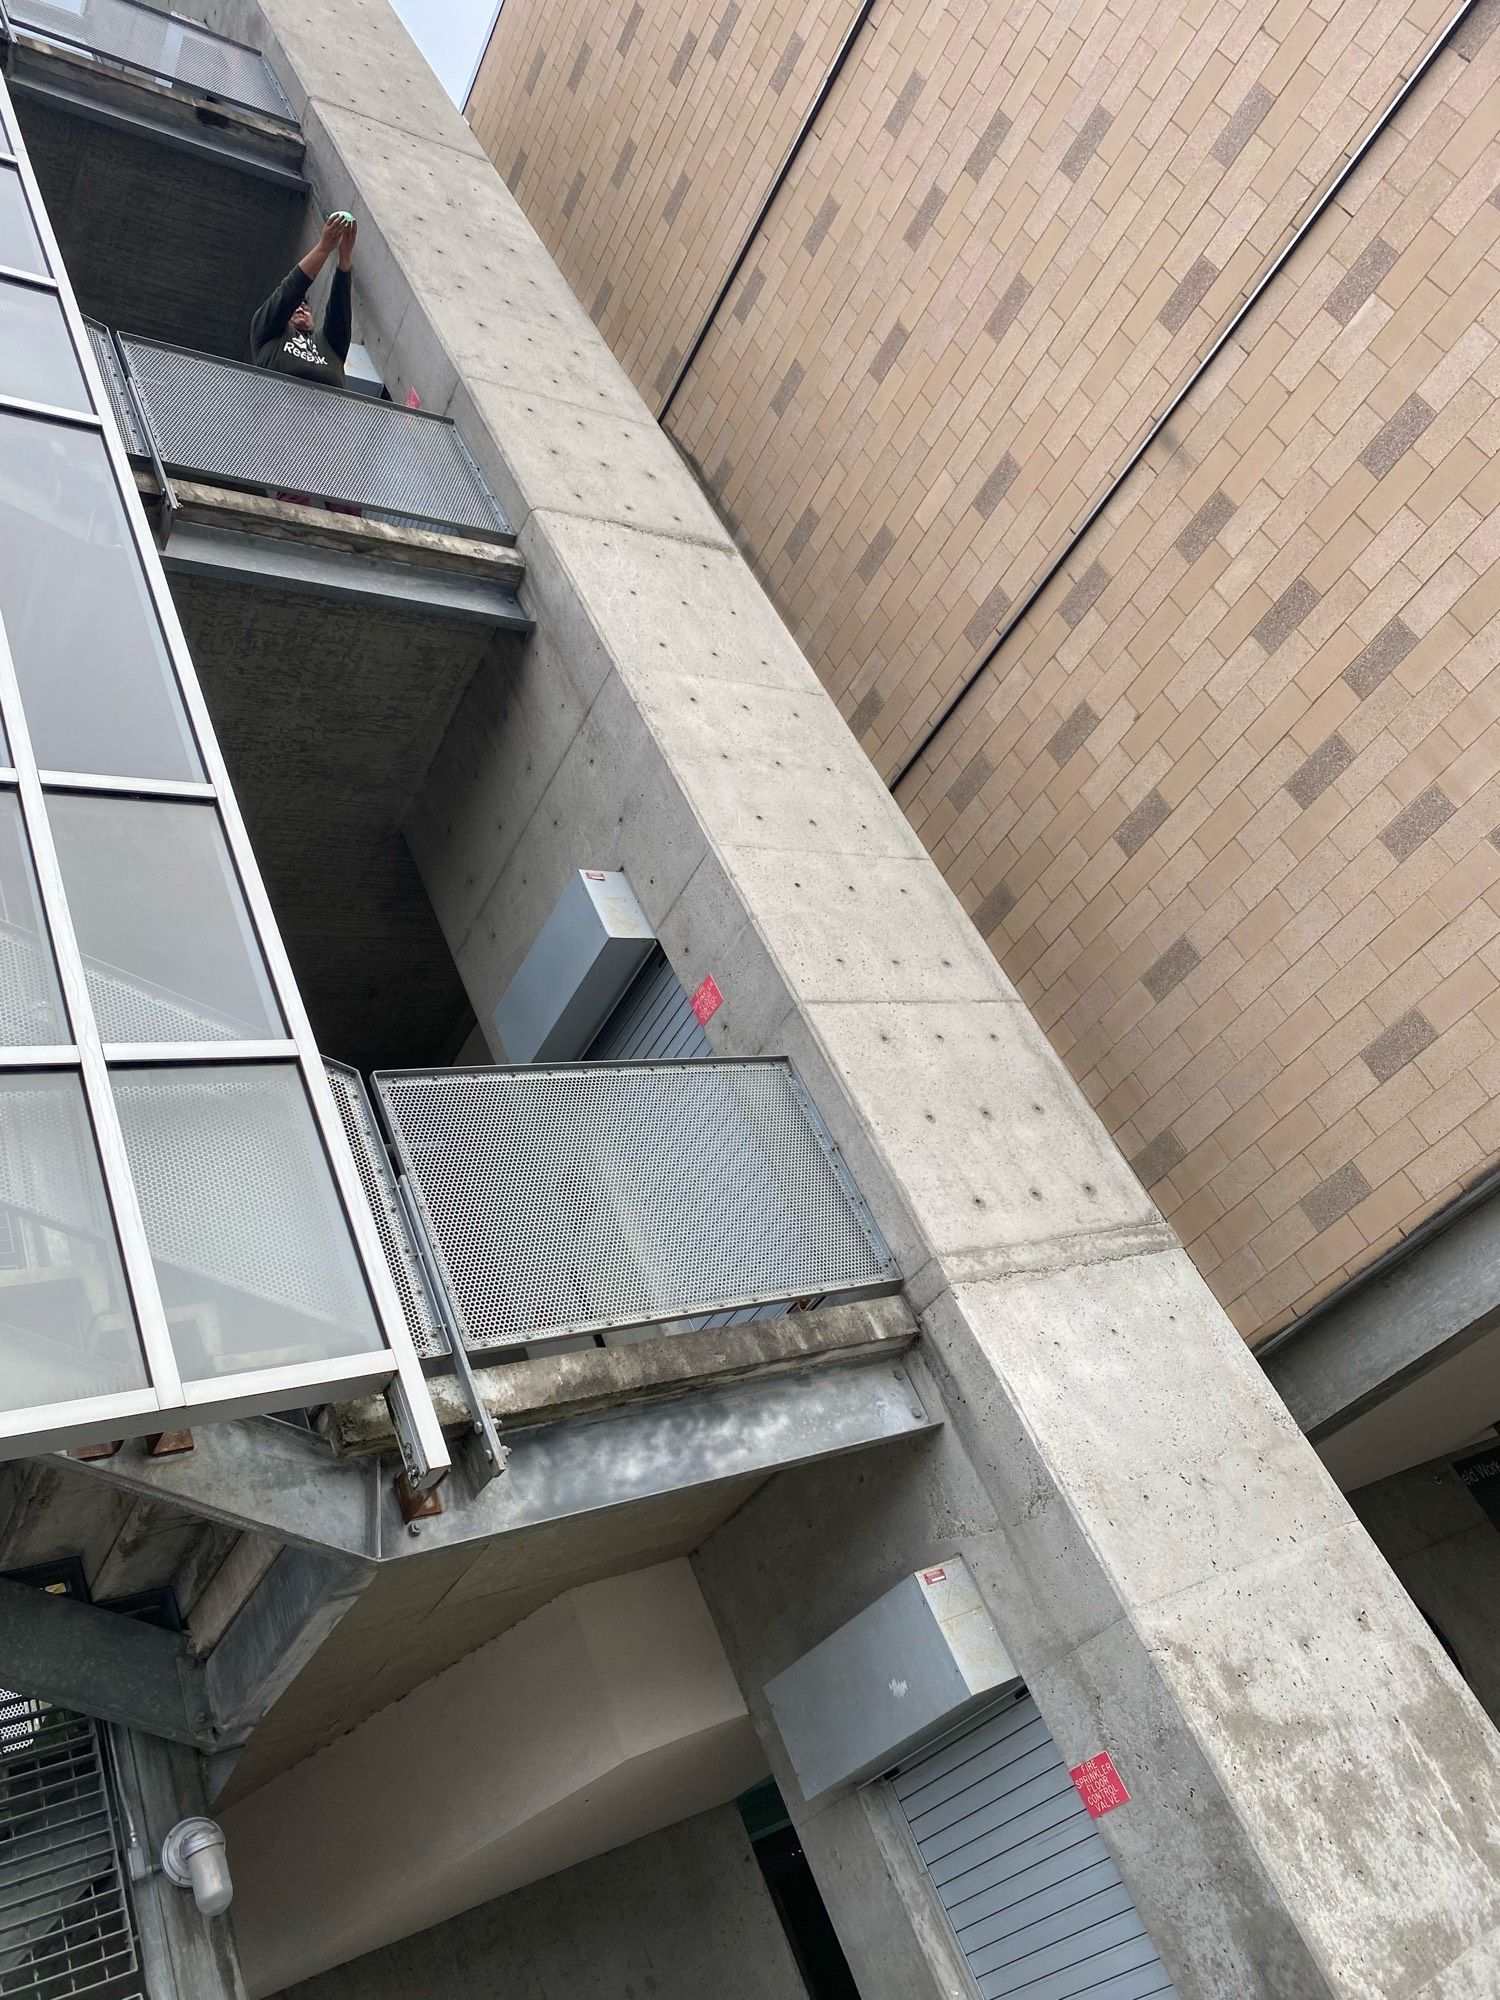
1174	965
967	786
1157	1159
1071	736
986	620
993	911
888	352
1180	307
867	712
1085	593
1380	658
667	373
517	168
1360	280
927	214
786	68
753	287
1237	134
821	223
580	64
1393	440
1475	30
987	145
627	34
570	199
622	164
1216	510
1286	614
801	534
1324	1204
995	488
1402	1042
726	27
601	301
1133	833
1312	778
533	74
791	382
1010	302
869	563
1418	822
1087	143
905	104
684	56
677	197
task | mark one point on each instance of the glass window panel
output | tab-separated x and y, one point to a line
20	247
31	1009
160	920
37	361
96	682
66	1328
253	1253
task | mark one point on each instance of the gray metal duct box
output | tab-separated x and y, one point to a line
586	954
915	1662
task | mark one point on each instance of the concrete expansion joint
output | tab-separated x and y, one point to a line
655	532
1074	1250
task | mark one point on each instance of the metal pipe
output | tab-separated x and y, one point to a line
1232	326
803	133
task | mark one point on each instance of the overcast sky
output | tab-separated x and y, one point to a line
449	33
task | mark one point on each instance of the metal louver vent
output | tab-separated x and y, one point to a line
570	1198
66	1925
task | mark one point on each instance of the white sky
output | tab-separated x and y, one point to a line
450	34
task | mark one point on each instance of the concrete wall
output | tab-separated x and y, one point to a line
1446	1551
683	1915
608	1714
1221	805
1162	1553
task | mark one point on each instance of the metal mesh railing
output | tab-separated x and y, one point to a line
594	1196
233	425
118	389
66	1926
161	46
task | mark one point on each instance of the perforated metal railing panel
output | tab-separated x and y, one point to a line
120	399
580	1197
239	426
66	1926
161	46
379	1183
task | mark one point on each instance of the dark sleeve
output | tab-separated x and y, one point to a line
270	321
338	321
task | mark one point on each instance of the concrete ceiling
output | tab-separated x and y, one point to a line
329	713
1437	1414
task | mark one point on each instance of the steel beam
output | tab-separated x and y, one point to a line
269	1479
282	1624
102	1664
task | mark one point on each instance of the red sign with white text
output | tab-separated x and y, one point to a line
1100	1785
707	1000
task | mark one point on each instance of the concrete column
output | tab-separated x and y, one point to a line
1315	1793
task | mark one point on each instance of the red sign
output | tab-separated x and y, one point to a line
707	1000
1100	1785
413	400
934	1576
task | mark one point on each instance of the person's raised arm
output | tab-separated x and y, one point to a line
338	321
271	319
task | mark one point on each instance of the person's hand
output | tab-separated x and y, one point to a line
333	234
346	244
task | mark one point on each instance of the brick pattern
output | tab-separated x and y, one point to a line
1224	804
641	141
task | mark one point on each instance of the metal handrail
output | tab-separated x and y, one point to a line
49	33
310	440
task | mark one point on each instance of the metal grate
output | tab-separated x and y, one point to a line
120	399
374	1168
240	426
162	46
66	1925
580	1197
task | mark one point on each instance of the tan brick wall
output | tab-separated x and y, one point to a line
1223	805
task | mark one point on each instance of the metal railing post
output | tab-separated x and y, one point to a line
167	502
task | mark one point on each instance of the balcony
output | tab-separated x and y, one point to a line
334	648
195	200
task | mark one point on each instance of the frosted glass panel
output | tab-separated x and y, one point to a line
253	1255
95	680
31	1009
37	362
19	245
66	1328
162	925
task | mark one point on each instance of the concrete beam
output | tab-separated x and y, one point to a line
101	1664
1412	1311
